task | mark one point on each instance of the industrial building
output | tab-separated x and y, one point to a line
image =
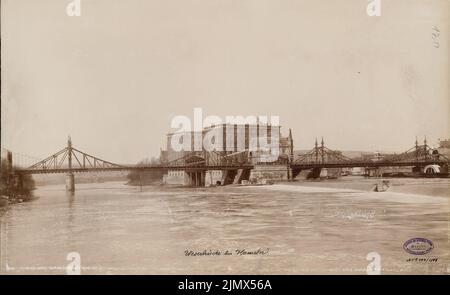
259	145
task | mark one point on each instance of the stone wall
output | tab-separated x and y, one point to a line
212	177
177	177
270	172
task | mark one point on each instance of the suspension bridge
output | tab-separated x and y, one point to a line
320	157
71	160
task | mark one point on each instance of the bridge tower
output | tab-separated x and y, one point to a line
322	150
417	147
425	148
417	150
70	177
316	151
291	147
9	173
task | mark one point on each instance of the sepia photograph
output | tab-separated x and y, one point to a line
225	137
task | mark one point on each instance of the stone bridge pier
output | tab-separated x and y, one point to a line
70	182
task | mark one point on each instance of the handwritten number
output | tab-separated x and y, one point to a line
435	36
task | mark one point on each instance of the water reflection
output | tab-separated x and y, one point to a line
71	220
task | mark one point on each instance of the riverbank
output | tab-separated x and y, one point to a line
6	201
14	188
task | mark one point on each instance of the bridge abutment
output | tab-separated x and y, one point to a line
269	172
70	182
314	173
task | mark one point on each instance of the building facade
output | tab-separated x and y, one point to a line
224	144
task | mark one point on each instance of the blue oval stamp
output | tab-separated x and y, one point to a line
418	246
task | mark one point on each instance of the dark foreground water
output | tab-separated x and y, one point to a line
299	228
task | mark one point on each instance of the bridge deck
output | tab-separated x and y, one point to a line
71	159
299	166
135	168
366	164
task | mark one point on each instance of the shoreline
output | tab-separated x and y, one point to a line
17	200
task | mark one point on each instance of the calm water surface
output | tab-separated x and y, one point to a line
314	227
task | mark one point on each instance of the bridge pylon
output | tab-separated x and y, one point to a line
70	177
69	161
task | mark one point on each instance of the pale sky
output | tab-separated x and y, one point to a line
114	77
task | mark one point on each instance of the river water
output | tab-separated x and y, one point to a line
325	227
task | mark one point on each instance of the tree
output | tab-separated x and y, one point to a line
145	177
15	186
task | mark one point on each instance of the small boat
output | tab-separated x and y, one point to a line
384	186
